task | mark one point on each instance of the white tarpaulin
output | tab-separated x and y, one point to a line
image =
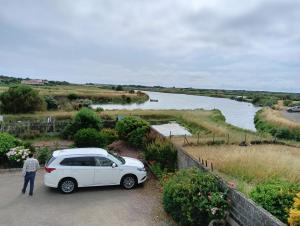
171	128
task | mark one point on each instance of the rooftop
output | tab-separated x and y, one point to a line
80	151
172	128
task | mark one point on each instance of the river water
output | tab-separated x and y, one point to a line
240	114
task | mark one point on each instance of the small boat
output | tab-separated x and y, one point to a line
153	100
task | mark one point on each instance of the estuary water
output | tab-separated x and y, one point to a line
240	114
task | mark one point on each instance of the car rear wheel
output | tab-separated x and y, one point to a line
67	185
129	181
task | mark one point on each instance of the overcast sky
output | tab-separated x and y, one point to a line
228	44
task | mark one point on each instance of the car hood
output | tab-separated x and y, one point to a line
133	162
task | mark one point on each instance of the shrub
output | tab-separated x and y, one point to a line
109	136
88	138
18	154
73	96
193	197
51	102
85	118
21	99
294	214
7	142
133	130
43	155
276	197
119	88
163	153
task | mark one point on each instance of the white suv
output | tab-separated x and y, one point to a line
83	167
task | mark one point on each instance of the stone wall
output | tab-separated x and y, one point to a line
243	211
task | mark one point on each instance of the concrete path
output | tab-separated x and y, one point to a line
294	116
99	206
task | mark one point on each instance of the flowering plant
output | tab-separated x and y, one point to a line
18	154
294	215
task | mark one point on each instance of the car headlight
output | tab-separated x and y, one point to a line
141	169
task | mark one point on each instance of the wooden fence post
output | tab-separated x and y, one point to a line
198	137
228	138
211	166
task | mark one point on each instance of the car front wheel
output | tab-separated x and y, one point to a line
129	181
67	186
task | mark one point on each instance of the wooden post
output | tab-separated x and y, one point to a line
54	129
198	137
205	163
245	138
211	166
213	138
199	159
170	135
202	161
228	138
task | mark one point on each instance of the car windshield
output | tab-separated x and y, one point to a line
122	160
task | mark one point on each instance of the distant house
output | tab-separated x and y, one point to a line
34	82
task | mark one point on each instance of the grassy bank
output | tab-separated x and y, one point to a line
91	92
271	121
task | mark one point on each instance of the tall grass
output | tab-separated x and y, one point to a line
252	164
271	121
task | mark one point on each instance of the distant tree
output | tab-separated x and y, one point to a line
21	99
119	88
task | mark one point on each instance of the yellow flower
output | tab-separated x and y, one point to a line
294	214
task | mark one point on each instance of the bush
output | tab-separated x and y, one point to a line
109	136
73	96
7	142
193	197
18	154
133	130
88	138
294	214
21	99
119	88
276	197
43	155
163	153
85	118
51	103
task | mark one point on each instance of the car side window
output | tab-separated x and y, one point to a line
78	161
102	161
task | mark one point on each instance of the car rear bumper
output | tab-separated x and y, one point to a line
49	181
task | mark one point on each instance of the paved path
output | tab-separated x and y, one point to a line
99	206
295	116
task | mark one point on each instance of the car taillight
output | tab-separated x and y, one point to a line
49	169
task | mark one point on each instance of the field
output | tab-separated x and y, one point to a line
250	165
86	92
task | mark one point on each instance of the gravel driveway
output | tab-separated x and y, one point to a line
89	206
99	206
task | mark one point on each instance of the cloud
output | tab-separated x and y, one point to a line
207	44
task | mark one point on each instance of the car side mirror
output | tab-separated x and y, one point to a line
113	165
